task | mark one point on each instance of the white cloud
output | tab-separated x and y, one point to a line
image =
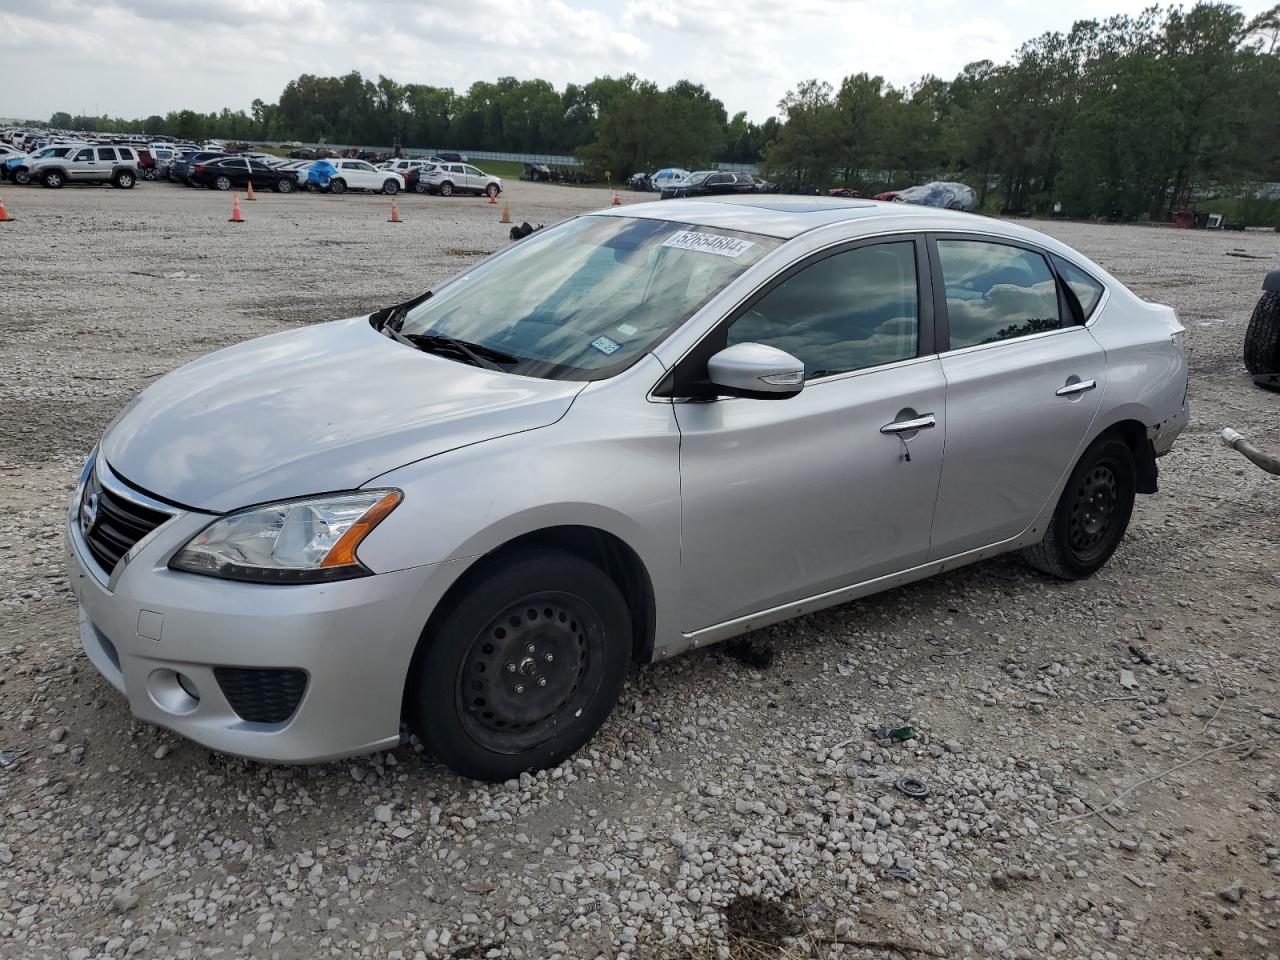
138	57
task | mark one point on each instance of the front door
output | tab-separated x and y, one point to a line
82	165
1024	383
785	499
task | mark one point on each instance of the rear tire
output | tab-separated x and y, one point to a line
1262	338
337	186
1092	514
22	177
446	189
523	668
419	187
284	186
124	180
222	183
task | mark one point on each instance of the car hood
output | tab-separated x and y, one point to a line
315	410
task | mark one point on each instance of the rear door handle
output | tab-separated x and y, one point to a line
922	422
1080	386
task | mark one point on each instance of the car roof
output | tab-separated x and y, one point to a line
784	217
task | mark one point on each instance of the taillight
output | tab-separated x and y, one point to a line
199	168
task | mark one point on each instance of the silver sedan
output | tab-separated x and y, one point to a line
637	432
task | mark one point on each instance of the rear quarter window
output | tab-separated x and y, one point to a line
1085	288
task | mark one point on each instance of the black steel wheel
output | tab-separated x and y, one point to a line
1092	514
523	667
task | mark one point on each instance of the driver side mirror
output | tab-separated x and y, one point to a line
757	371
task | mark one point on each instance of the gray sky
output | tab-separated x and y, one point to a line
133	58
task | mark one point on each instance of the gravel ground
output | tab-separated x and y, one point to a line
738	797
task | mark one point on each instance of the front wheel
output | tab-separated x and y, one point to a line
522	669
53	179
390	188
22	177
1092	513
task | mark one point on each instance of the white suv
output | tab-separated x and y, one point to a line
447	179
359	175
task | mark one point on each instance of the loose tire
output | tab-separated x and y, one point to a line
284	185
53	179
1092	514
491	190
391	188
446	189
1262	338
222	183
124	180
337	186
523	668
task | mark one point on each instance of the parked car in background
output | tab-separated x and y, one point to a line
666	177
710	183
17	166
367	560
449	156
180	171
224	173
88	164
361	175
640	181
446	179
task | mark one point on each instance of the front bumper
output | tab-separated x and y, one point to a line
143	624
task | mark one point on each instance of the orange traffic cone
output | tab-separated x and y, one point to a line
617	201
249	193
4	214
493	198
235	210
506	212
395	214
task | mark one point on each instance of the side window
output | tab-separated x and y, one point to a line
84	155
106	153
1087	290
996	292
473	172
852	310
456	168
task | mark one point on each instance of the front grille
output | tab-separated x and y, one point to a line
261	695
112	522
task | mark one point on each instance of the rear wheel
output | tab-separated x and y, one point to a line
523	668
22	177
222	183
1092	513
53	179
446	189
337	186
419	187
1262	338
284	185
124	179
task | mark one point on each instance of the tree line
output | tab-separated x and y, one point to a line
1123	117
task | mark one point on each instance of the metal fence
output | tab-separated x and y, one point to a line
479	156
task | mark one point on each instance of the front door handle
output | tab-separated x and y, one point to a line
922	422
1080	386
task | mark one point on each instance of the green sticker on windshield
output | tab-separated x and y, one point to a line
606	346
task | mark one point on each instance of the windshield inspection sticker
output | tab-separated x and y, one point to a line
708	243
606	346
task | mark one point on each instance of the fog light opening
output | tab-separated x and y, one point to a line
173	692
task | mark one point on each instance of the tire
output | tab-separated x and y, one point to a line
53	179
491	190
1092	514
124	180
222	183
391	188
22	177
1262	338
482	696
446	189
148	174
284	185
337	186
419	187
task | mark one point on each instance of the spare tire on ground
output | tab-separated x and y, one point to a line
1262	338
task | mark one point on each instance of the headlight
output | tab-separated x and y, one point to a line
296	541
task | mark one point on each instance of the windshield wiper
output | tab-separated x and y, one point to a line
473	353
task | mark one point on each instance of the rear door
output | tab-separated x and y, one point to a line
1024	383
785	499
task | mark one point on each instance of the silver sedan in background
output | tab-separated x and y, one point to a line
634	433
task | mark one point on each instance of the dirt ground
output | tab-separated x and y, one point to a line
736	803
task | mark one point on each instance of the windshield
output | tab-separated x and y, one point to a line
586	299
